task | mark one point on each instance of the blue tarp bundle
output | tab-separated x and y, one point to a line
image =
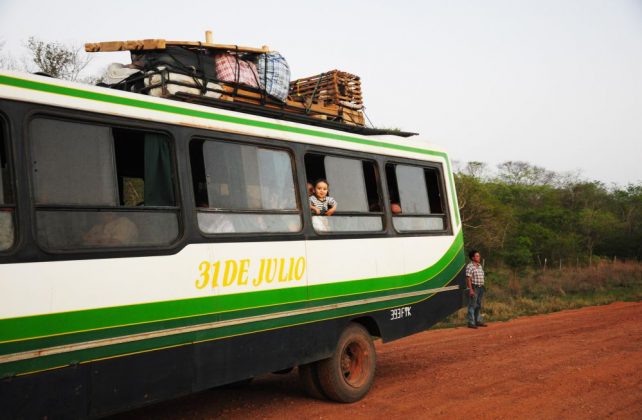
274	74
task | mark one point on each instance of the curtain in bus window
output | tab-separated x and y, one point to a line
241	177
158	171
73	163
224	174
412	190
277	185
347	185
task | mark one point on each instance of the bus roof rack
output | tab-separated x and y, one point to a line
289	116
231	77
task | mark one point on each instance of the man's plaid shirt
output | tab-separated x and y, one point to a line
476	273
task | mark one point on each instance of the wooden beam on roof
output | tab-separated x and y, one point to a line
161	44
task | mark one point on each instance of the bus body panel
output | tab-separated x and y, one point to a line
89	333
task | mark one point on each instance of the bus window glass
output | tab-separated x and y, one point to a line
241	188
412	190
353	184
415	198
7	233
347	184
86	229
73	163
101	187
246	177
434	191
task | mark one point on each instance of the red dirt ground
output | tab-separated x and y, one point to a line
584	363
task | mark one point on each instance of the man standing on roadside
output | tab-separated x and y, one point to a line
475	283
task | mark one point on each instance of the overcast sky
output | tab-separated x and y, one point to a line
557	83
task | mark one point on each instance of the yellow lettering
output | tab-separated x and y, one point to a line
245	264
257	281
204	268
282	278
231	270
299	270
217	270
270	274
291	270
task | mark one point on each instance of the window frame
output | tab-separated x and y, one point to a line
355	155
259	144
8	149
111	122
446	207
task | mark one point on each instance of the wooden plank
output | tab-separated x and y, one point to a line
161	44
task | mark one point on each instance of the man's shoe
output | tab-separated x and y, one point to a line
473	326
481	324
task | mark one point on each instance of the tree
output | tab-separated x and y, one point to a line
7	61
523	173
57	60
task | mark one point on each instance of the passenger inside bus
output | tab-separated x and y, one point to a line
112	230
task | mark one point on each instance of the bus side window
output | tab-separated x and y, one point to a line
101	187
416	199
241	188
353	184
7	209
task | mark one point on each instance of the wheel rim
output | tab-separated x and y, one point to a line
354	364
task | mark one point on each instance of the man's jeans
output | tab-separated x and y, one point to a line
474	306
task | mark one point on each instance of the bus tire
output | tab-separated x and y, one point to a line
348	375
309	376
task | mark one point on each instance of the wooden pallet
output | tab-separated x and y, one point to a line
331	88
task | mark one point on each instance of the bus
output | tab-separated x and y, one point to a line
153	248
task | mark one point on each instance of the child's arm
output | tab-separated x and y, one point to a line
313	208
332	209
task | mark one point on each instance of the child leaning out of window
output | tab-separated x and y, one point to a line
320	203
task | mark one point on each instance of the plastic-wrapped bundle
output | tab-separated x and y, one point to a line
232	69
117	72
274	74
164	82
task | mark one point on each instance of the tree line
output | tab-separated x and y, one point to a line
523	216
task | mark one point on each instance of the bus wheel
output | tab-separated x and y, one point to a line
348	375
309	376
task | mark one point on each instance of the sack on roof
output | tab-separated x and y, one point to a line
178	60
117	72
162	83
232	69
274	74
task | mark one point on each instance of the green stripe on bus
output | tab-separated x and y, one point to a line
119	350
70	338
29	327
137	103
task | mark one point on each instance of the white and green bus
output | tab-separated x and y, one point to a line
152	248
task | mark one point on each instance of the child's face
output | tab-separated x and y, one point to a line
321	190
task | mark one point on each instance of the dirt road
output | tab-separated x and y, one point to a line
584	363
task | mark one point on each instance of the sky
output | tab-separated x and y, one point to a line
557	83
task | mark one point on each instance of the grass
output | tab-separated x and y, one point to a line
510	294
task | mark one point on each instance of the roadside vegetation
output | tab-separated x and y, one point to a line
549	241
510	295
